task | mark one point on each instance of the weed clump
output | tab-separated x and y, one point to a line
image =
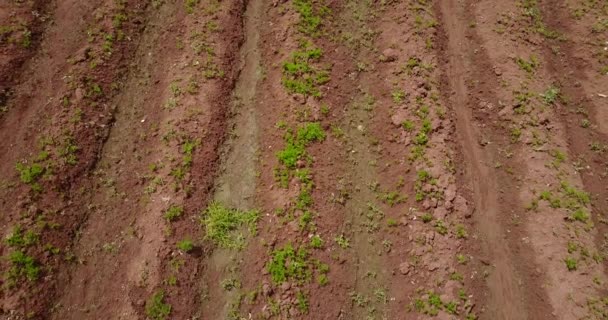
551	95
528	66
316	242
173	213
432	304
185	245
288	263
30	174
311	16
22	266
295	145
188	147
222	225
571	263
156	308
299	76
342	241
17	238
531	10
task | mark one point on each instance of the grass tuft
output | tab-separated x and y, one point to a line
287	263
222	225
156	308
299	76
311	16
22	266
295	145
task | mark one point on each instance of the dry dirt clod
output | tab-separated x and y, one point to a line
285	286
404	268
300	98
266	289
389	55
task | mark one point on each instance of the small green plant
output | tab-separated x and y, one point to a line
342	241
118	20
554	202
302	302
187	149
305	220
559	158
68	149
408	125
461	258
551	95
398	96
156	308
108	43
311	16
427	126
221	225
431	305
190	5
456	277
299	76
572	246
230	283
571	263
310	132
324	110
440	227
580	215
17	238
316	242
359	299
422	177
282	176
421	139
337	132
528	66
427	217
185	245
515	134
533	205
26	39
172	280
176	91
173	213
392	198
417	152
461	232
193	86
295	148
287	263
30	174
531	10
290	155
579	196
171	103
412	63
22	266
322	280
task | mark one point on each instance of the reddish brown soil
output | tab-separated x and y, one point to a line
22	27
460	173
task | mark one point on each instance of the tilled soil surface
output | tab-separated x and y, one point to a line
304	159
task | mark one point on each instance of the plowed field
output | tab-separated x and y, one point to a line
304	159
